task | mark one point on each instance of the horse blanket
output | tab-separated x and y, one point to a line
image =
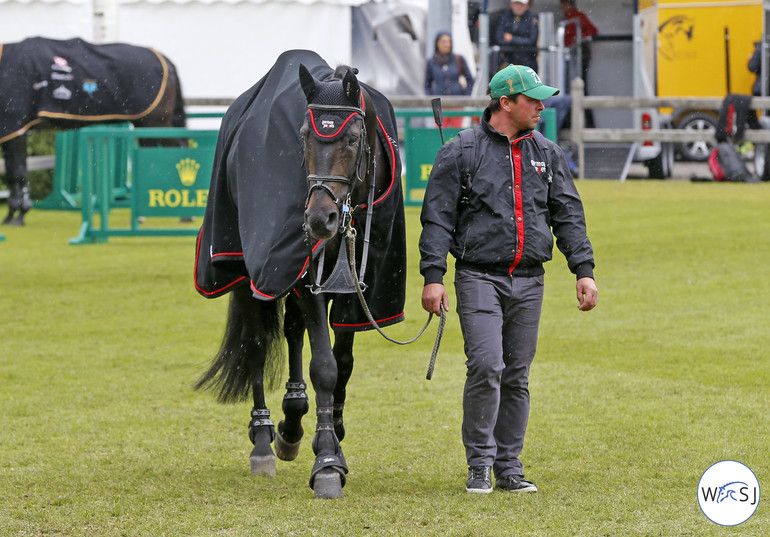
76	80
252	227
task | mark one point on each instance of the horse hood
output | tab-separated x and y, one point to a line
252	229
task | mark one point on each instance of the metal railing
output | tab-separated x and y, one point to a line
581	136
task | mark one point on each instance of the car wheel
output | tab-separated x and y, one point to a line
662	166
700	150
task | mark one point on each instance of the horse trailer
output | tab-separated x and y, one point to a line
699	49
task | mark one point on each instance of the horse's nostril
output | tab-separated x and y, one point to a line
331	221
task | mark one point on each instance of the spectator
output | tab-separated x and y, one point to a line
447	73
570	12
516	35
755	66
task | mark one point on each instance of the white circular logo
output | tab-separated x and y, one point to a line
728	493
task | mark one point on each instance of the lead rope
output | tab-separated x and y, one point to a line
350	237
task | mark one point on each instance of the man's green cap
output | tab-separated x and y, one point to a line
519	79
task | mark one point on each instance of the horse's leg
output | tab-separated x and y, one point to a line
253	340
295	403
328	475
15	152
343	354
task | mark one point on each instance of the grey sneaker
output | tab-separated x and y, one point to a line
515	483
479	479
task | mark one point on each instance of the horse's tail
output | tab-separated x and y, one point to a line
235	365
179	118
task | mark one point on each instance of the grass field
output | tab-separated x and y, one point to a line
102	434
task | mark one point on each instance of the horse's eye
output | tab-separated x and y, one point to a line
353	141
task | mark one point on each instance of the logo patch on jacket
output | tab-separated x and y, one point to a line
539	166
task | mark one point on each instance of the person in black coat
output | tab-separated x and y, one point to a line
755	66
516	35
497	196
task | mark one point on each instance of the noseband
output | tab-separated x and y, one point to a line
319	181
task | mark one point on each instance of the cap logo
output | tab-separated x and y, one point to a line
510	85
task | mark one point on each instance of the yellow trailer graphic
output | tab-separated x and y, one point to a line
699	49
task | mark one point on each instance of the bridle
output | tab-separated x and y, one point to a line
320	181
364	166
339	281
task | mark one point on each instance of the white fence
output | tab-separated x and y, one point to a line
581	136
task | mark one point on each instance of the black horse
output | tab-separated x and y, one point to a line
306	173
47	83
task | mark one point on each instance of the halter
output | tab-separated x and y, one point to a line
339	281
318	181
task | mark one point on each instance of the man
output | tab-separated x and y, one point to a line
499	225
517	34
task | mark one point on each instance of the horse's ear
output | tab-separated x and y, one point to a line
308	83
352	88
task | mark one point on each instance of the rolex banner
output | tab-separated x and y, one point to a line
172	181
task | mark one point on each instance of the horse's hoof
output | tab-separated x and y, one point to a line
18	221
262	465
286	451
327	485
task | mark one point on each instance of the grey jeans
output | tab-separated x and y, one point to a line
499	318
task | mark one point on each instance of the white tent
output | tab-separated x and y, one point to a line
222	47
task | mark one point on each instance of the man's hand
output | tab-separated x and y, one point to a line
433	295
587	294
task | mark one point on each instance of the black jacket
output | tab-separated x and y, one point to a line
516	206
522	49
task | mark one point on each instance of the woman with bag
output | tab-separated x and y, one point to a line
447	74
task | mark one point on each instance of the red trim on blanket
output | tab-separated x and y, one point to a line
221	289
307	260
392	168
195	272
260	293
353	325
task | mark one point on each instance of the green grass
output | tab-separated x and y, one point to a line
102	435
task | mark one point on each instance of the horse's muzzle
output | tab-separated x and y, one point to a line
322	222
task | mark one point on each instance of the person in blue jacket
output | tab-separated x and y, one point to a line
447	73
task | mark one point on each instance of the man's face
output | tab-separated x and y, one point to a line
524	113
519	8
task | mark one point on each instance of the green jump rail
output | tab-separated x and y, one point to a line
117	171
